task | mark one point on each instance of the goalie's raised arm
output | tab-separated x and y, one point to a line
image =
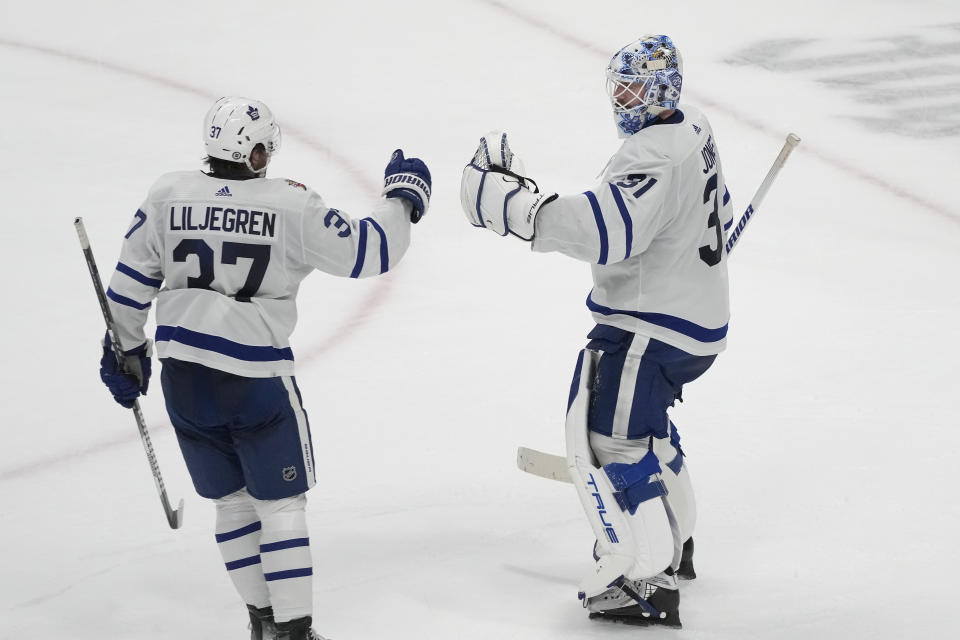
494	193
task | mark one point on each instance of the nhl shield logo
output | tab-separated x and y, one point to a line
289	474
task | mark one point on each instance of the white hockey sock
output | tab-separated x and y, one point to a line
285	556
238	537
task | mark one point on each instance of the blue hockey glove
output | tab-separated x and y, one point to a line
408	178
128	384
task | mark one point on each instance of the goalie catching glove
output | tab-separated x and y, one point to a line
495	195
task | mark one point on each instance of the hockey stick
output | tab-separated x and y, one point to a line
174	517
554	467
788	146
545	465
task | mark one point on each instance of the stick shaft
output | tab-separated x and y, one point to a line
174	517
788	146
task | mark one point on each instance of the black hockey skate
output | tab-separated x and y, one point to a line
686	570
654	601
261	623
298	629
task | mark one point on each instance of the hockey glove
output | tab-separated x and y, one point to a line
408	178
128	384
494	194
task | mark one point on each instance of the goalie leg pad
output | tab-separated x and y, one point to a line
635	483
673	476
676	477
624	504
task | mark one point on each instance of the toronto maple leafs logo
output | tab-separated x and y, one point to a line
253	112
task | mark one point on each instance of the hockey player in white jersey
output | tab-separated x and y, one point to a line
223	252
653	229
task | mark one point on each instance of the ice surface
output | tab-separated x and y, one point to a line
823	444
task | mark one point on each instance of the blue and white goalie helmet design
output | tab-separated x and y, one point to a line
643	80
234	126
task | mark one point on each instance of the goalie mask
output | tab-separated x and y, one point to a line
234	126
643	81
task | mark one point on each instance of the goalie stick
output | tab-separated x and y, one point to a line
174	516
545	465
788	146
554	467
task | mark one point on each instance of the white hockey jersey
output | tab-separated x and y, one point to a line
230	255
655	230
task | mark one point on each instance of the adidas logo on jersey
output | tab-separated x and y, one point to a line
697	129
224	192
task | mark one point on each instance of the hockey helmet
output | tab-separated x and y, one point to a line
643	80
234	126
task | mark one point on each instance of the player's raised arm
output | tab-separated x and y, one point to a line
341	245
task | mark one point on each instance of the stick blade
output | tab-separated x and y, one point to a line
542	464
175	517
